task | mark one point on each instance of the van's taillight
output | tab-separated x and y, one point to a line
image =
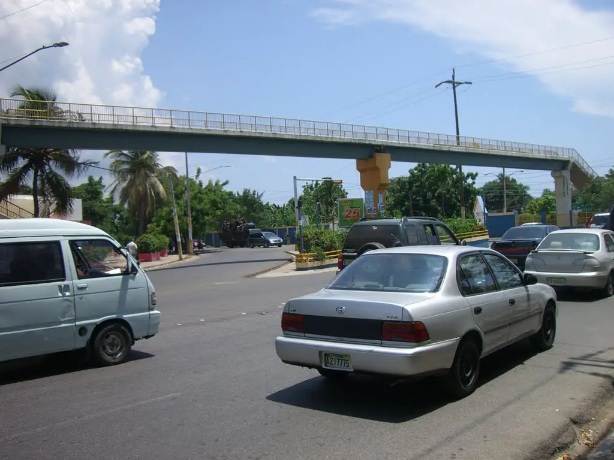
340	262
291	322
396	331
154	300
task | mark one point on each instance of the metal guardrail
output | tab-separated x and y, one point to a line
169	118
13	211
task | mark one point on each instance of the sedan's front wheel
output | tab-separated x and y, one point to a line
544	338
463	377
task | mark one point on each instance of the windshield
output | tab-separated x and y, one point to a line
571	241
269	234
392	272
529	232
600	219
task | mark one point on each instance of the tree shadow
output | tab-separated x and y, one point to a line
22	370
591	364
578	295
373	398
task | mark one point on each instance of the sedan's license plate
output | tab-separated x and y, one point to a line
556	281
337	361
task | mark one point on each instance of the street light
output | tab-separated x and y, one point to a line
55	45
190	242
505	186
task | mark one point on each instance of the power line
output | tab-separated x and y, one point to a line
536	53
22	10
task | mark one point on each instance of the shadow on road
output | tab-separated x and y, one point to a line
21	370
578	295
592	364
373	399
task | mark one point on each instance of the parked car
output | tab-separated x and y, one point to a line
368	235
517	242
266	239
577	258
415	311
598	220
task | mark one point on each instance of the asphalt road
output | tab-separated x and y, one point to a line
210	386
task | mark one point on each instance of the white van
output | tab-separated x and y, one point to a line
65	286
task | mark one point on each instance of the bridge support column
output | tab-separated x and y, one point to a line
374	182
562	191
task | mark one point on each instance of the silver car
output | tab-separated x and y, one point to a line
579	258
415	311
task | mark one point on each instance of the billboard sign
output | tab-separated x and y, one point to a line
351	210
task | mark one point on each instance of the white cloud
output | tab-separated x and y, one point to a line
506	28
102	63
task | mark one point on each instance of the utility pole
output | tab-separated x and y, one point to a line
175	219
189	243
454	84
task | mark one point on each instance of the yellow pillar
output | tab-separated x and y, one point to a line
374	181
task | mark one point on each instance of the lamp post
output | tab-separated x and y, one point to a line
454	84
504	178
190	242
55	45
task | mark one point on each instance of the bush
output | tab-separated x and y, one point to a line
151	242
458	225
322	239
320	254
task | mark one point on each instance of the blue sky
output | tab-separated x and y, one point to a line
542	72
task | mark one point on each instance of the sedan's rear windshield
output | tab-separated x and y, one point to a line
528	232
405	272
600	219
570	241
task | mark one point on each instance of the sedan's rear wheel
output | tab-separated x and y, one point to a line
336	376
608	290
266	244
544	338
462	379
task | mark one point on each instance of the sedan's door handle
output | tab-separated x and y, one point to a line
512	301
477	310
82	286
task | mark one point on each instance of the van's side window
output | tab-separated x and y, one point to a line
97	258
29	263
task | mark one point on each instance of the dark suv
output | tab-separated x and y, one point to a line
368	235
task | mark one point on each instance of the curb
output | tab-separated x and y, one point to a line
171	262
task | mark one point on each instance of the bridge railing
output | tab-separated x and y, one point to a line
169	118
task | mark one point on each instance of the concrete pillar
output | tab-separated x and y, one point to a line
374	181
562	191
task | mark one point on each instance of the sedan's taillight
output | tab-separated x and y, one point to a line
291	322
396	331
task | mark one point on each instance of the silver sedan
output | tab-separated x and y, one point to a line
415	311
578	258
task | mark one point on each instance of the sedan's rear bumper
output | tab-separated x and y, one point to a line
369	358
593	280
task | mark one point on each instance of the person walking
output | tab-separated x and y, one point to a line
132	248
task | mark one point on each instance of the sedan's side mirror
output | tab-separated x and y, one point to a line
529	278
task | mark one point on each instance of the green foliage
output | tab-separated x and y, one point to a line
529	217
517	195
545	203
326	193
323	239
458	225
319	254
151	242
598	195
431	190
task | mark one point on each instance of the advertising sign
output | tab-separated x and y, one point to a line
350	211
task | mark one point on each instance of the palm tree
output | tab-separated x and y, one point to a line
46	169
138	182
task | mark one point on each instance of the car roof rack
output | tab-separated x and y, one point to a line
421	218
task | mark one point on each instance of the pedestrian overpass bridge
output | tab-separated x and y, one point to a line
27	124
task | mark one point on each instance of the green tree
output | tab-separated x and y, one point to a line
517	195
138	178
46	169
598	195
431	190
545	203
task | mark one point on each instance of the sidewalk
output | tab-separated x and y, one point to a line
171	259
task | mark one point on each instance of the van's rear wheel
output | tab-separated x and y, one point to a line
111	345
